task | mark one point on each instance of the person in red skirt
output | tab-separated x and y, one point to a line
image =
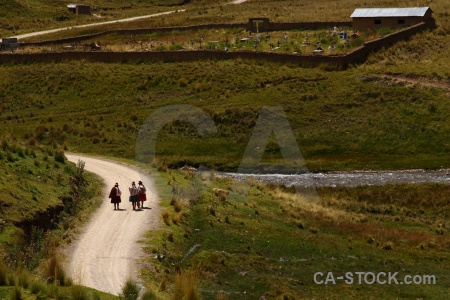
115	195
142	196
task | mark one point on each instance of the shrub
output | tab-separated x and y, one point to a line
78	292
38	287
212	210
21	153
16	293
37	163
149	295
24	278
3	273
130	291
5	145
59	157
170	237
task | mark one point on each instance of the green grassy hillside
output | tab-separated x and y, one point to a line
42	198
341	120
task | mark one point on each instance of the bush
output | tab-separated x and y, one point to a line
59	157
149	295
24	279
16	294
38	287
130	291
3	273
78	292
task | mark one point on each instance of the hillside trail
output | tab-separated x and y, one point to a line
238	1
107	251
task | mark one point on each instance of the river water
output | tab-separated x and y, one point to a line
349	179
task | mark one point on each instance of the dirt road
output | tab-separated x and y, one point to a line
27	35
105	253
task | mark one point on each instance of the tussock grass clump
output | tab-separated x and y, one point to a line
78	292
38	287
163	284
149	295
55	271
165	216
221	295
178	205
24	278
16	293
176	218
212	210
130	291
186	285
388	246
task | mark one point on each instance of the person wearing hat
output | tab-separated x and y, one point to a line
114	195
134	198
142	196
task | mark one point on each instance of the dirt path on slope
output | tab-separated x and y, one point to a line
411	80
105	253
238	1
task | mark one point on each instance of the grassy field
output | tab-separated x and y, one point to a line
270	241
389	113
24	16
341	120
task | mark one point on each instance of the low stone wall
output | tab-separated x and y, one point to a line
308	25
175	56
340	61
360	54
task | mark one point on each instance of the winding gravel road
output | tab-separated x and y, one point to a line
106	252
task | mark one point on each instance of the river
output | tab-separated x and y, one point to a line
349	179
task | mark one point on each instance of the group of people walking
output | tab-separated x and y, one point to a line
137	195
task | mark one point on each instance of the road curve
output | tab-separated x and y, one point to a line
27	35
106	252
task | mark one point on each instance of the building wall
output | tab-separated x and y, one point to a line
363	24
83	9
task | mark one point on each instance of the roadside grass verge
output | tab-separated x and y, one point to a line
269	240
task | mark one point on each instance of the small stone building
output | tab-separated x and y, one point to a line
375	18
79	9
9	44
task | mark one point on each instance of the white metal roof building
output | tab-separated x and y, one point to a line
374	18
